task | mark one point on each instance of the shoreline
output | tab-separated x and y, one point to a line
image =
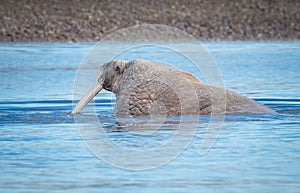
89	21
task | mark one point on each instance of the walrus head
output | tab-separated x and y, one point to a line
107	78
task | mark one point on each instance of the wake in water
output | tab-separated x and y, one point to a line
58	111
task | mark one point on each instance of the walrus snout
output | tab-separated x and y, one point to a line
110	73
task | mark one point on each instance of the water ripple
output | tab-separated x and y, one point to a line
57	111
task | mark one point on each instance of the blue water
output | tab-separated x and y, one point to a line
41	149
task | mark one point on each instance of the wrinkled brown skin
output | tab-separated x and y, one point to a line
144	87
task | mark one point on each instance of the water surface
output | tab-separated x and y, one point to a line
41	149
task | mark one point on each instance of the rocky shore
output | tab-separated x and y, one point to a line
89	21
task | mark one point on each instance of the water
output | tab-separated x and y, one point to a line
41	149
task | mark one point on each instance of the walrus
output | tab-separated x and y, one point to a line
144	87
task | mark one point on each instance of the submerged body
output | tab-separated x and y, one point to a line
144	87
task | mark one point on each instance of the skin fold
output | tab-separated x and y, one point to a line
144	87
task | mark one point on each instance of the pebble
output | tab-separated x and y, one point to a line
91	20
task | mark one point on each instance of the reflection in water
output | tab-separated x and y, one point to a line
153	123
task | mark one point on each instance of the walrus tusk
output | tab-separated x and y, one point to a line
87	98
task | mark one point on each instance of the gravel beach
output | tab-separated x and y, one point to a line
89	21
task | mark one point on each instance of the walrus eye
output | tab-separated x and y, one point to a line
117	69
